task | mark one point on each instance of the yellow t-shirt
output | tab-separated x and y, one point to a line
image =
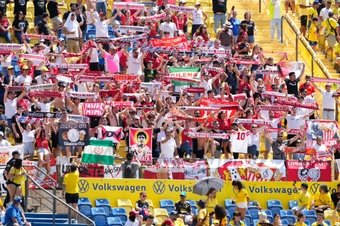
232	223
204	216
210	204
179	222
327	25
303	11
316	224
336	49
16	172
71	182
322	199
312	13
313	33
241	196
304	199
300	224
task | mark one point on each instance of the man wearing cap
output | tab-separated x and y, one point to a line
24	78
43	78
328	102
219	9
225	35
183	208
14	216
134	219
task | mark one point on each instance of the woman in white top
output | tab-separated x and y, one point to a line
28	138
197	18
73	33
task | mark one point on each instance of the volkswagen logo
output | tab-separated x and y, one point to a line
314	188
83	186
158	187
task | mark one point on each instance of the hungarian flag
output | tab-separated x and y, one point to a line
99	151
183	76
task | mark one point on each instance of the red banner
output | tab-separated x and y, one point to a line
309	170
119	77
93	109
45	94
140	141
169	42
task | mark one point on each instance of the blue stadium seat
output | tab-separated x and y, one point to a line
99	216
255	222
229	202
85	209
275	209
118	211
84	200
270	216
327	222
167	204
254	212
274	203
310	215
288	215
114	221
284	222
248	220
231	210
292	204
307	222
105	204
194	210
192	203
111	31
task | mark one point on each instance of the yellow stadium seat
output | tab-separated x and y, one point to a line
10	17
126	204
31	28
9	13
161	213
63	9
9	7
204	4
190	3
29	17
30	9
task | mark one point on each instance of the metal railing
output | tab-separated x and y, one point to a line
291	33
51	202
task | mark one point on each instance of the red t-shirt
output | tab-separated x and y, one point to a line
42	143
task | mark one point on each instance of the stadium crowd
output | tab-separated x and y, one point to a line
181	83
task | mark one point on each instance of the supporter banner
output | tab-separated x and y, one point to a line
69	66
297	104
78	118
113	172
181	8
151	87
93	109
41	178
119	77
85	78
108	93
42	87
290	131
6	152
45	94
215	52
273	108
121	104
98	152
82	95
184	75
169	42
328	130
43	114
154	17
194	90
140	141
238	97
129	38
309	170
223	104
134	28
35	58
158	189
277	94
190	108
176	169
39	37
326	80
73	134
65	79
111	133
223	136
261	122
91	170
17	88
248	170
128	5
10	47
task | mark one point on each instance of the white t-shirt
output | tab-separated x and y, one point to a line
207	85
274	124
255	140
240	140
10	108
28	136
102	29
94	56
309	100
277	9
328	101
24	80
130	223
134	65
324	13
197	17
41	80
45	107
168	27
294	122
321	151
168	148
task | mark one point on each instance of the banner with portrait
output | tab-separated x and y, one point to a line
309	170
248	170
326	129
140	141
73	134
